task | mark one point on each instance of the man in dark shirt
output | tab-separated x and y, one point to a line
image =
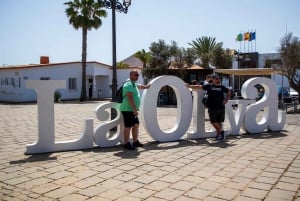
216	103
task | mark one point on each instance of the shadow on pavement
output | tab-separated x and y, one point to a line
187	143
120	152
155	145
265	135
35	158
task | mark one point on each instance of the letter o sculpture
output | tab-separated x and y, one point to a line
149	111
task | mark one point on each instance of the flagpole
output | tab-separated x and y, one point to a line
248	46
240	39
248	34
244	42
251	41
240	46
255	40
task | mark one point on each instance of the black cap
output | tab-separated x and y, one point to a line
215	76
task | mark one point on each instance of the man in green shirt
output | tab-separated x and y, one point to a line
129	108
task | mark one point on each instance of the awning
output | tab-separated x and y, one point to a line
246	71
195	67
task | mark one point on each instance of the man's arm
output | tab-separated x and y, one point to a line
228	95
194	86
132	103
142	86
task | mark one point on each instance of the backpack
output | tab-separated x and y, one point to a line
119	94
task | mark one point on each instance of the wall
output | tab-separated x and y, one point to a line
18	92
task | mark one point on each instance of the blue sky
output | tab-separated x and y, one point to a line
34	28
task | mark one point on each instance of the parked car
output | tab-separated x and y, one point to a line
282	91
293	93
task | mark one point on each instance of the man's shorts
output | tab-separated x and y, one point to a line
129	119
216	114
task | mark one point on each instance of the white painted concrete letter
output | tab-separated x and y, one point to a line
198	122
101	136
272	119
149	111
46	137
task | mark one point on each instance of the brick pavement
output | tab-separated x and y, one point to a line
247	167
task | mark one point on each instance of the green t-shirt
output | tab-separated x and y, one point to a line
130	86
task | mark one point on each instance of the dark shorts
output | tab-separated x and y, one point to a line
129	119
216	114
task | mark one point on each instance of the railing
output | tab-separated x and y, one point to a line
288	102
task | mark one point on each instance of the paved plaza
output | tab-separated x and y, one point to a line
249	167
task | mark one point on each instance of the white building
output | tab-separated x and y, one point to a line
98	80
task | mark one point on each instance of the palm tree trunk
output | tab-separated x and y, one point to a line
83	62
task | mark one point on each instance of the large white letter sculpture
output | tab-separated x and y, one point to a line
198	123
272	119
46	138
184	109
248	115
101	137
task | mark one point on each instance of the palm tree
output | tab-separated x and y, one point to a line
143	56
204	47
85	14
122	65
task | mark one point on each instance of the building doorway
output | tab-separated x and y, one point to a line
90	88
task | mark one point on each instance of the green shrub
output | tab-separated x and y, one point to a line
57	96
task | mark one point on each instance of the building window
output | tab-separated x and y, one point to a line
72	83
12	82
45	78
5	81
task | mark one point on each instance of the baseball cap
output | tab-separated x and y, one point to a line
215	76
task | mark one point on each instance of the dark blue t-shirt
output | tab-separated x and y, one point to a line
215	95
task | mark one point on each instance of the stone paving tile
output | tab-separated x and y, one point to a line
142	193
247	167
73	197
61	192
197	193
183	185
281	194
254	193
243	198
226	193
169	194
261	186
114	193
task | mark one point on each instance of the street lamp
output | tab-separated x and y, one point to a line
238	57
115	5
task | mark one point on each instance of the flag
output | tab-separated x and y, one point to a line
239	37
252	36
246	36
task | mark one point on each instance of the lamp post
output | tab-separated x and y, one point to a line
115	5
238	56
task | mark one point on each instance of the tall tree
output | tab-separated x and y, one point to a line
122	65
143	56
290	58
189	56
221	58
204	47
85	15
161	55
